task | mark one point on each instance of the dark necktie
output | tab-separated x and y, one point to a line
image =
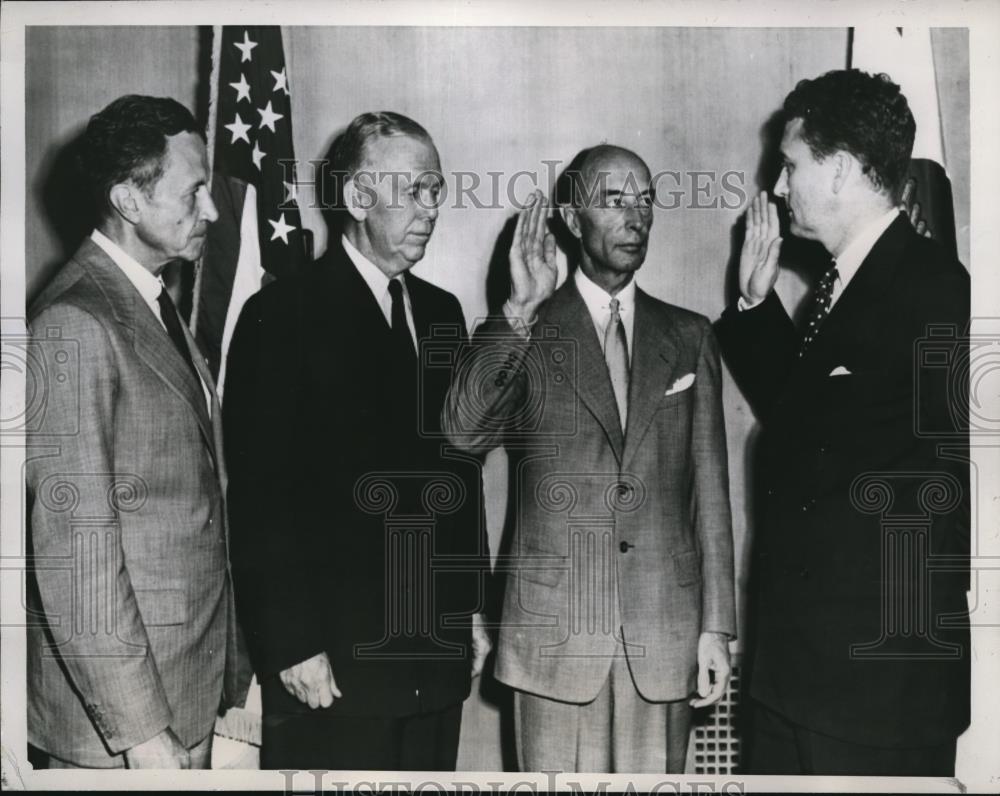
402	341
616	356
168	313
820	307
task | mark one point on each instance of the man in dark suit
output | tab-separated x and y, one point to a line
619	604
138	650
861	662
359	544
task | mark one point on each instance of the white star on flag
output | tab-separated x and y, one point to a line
280	81
257	155
238	129
281	229
245	47
268	117
291	191
242	89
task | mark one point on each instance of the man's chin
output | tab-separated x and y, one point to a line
800	231
630	261
414	253
194	250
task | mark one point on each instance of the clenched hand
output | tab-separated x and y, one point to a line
311	681
713	668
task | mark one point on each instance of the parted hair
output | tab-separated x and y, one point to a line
127	141
347	153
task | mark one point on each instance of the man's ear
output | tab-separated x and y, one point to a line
571	218
123	199
844	165
356	199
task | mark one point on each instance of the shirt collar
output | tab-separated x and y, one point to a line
374	277
598	300
851	258
149	286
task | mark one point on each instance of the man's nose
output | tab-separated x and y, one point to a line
781	186
634	218
208	209
429	209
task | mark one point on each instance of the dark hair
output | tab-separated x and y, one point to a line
126	142
853	111
347	152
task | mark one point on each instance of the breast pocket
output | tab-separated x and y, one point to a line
542	569
679	398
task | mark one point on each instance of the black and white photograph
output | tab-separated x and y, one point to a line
500	396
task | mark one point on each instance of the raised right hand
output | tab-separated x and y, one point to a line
311	681
533	269
163	750
761	246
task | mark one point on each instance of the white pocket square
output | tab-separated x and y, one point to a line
840	370
681	384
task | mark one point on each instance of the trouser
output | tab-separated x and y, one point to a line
618	732
774	745
327	741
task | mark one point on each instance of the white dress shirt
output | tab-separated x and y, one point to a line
147	285
598	302
854	253
378	283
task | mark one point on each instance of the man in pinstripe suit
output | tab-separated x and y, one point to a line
135	648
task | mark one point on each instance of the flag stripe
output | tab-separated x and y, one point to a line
252	147
246	280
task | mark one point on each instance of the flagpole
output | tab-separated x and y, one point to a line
213	118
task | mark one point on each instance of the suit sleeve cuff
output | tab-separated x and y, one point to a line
522	326
742	305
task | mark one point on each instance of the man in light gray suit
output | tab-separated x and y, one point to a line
133	644
619	602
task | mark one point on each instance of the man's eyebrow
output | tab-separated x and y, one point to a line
425	177
615	192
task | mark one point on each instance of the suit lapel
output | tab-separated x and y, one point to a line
569	313
869	284
366	315
422	317
653	362
215	417
149	339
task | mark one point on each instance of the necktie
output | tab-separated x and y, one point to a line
168	313
820	307
616	356
402	341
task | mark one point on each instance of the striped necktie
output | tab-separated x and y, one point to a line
616	357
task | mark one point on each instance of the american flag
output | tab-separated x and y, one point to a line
259	233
